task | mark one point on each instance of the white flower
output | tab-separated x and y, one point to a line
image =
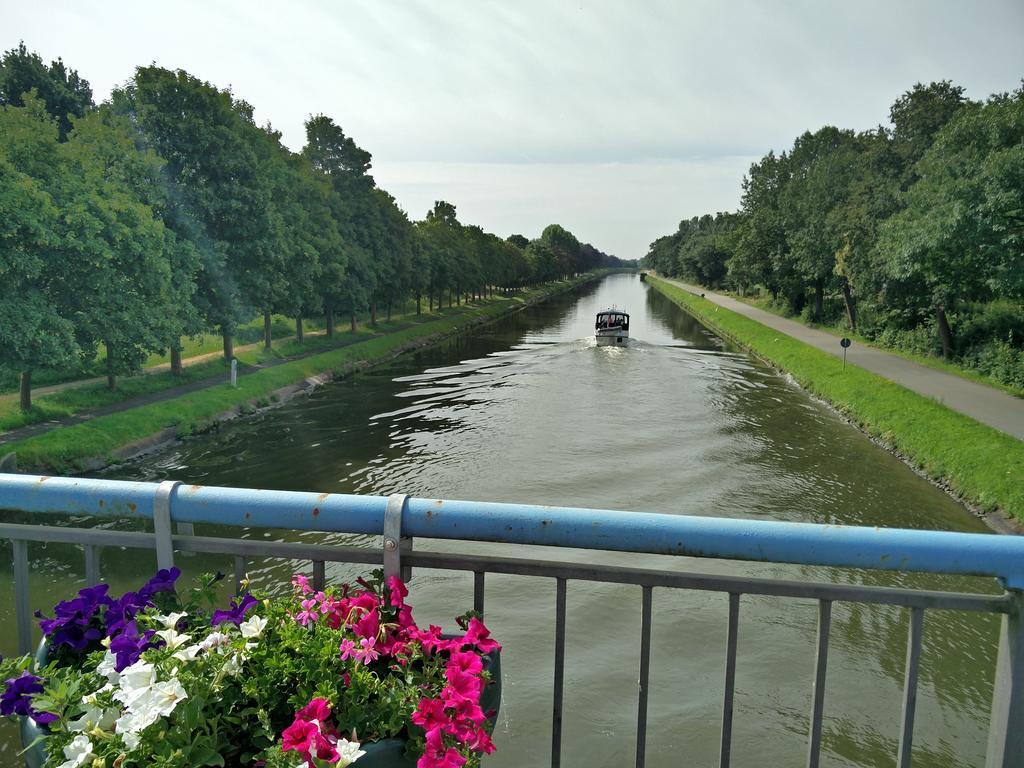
166	694
173	638
170	621
215	640
94	717
77	752
154	703
233	666
130	738
187	654
136	681
106	667
253	627
348	752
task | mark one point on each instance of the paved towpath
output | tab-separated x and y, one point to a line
985	404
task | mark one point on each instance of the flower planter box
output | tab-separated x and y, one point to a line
386	753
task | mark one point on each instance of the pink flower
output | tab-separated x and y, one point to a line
348	649
308	613
368	651
436	755
477	634
467	662
397	591
369	625
301	583
317	709
461	686
430	714
299	736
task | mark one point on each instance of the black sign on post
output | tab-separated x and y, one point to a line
845	344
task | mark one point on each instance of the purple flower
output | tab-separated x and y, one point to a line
17	698
236	614
128	646
73	624
163	581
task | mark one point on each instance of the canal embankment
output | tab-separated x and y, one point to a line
977	463
94	441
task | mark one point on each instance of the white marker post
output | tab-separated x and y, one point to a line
234	372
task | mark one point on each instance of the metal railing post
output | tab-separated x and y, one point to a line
1006	736
162	523
394	543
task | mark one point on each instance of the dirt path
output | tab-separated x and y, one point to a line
32	430
158	368
985	404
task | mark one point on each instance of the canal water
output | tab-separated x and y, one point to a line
680	422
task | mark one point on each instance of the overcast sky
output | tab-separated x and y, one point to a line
614	119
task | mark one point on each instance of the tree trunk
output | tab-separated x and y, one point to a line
268	339
419	303
430	300
945	333
111	367
26	390
353	319
176	366
373	313
229	343
389	310
298	330
851	310
819	300
329	314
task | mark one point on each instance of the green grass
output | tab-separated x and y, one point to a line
68	448
928	361
981	464
58	405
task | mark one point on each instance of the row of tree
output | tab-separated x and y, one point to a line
912	224
167	211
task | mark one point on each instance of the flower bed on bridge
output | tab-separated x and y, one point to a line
334	677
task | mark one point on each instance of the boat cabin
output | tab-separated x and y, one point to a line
612	326
612	319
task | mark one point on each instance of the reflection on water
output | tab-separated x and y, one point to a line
677	421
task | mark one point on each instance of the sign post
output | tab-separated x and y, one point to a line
845	344
234	372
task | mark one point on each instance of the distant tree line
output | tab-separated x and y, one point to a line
167	211
911	233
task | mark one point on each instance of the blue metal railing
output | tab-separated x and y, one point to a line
889	549
400	519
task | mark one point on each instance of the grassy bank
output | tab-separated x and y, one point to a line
72	448
978	463
840	330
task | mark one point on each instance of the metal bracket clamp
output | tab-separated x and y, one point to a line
394	543
162	523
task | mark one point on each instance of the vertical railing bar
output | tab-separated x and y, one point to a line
239	572
319	575
556	715
22	606
820	667
162	531
1006	737
731	643
92	564
478	592
645	675
910	687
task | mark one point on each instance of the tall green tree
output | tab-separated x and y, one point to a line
63	92
218	198
36	320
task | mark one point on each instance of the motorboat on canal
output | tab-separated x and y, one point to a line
612	326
